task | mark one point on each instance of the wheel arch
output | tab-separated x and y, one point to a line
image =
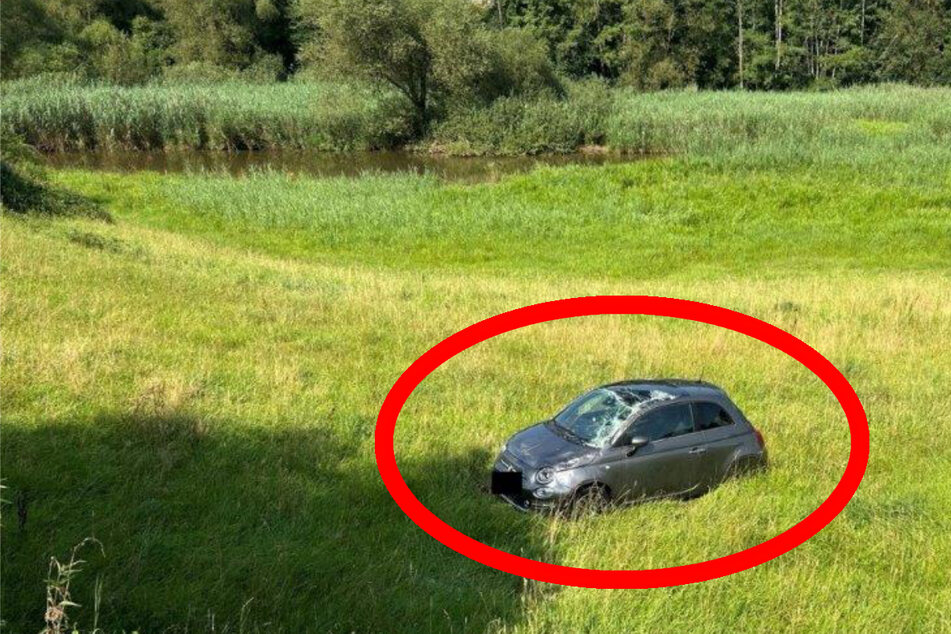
594	483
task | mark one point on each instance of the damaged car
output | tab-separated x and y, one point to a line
626	442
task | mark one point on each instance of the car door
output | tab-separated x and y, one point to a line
666	464
723	437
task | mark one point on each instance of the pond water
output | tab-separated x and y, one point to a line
454	168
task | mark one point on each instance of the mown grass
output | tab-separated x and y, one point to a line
196	386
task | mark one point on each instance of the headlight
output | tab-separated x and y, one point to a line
544	475
543	493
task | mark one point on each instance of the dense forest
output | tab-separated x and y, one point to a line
646	44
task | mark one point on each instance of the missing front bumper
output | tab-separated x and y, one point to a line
525	501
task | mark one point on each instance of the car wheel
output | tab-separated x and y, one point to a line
744	465
692	494
589	500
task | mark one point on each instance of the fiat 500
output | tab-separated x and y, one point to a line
626	442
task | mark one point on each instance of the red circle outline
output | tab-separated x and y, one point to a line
622	305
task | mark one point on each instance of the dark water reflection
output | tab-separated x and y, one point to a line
453	168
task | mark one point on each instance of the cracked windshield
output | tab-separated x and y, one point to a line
593	418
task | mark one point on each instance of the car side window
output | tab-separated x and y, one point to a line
711	416
666	422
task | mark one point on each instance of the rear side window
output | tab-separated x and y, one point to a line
666	422
711	416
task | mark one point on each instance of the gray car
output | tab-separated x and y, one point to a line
629	441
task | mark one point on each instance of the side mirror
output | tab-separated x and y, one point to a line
636	443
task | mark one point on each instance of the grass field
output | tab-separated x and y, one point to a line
196	385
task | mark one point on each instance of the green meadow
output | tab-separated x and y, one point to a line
194	381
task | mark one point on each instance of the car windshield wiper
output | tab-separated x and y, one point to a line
567	432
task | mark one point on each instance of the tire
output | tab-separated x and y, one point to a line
743	466
694	493
590	499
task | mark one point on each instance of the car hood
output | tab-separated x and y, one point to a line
538	446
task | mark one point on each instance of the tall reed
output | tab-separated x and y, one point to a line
215	116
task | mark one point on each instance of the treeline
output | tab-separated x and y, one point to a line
759	44
646	44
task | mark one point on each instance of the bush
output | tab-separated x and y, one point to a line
440	55
529	125
64	57
519	66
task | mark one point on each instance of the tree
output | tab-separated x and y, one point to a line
231	34
914	43
382	41
27	27
125	58
654	56
583	36
437	54
739	40
441	54
778	30
219	32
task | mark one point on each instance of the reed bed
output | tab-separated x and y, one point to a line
214	116
703	123
340	117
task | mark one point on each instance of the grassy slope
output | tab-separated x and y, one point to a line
197	384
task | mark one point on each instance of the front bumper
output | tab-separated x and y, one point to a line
527	502
524	499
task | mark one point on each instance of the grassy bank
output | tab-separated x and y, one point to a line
196	385
678	217
322	116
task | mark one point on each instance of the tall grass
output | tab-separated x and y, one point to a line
324	116
216	116
795	125
792	125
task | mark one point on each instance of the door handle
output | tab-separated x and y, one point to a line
698	450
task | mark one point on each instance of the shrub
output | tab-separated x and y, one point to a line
439	55
526	125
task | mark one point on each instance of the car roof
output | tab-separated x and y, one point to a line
680	388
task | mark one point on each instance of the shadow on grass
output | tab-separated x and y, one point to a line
217	525
26	191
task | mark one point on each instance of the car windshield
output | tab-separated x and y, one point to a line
593	418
